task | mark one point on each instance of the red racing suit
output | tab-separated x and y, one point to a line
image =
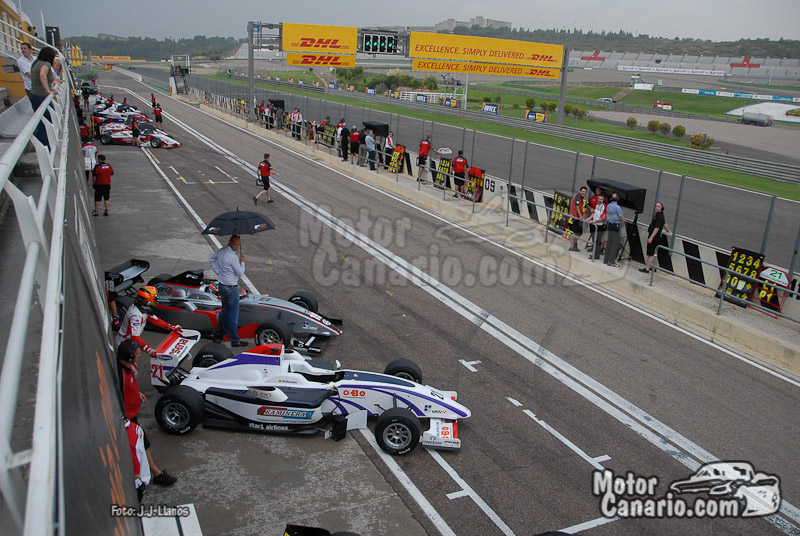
133	324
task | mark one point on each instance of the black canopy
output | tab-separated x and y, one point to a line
380	129
630	196
278	103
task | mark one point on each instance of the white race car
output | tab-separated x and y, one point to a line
270	389
119	111
148	133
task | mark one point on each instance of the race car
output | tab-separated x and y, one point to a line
148	133
118	111
190	300
272	389
120	124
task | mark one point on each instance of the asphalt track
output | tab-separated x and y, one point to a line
561	380
710	213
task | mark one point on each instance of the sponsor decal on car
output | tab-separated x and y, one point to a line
274	427
285	413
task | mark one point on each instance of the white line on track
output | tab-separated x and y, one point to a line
572	446
574	529
656	432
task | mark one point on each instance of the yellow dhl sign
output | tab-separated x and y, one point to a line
485	49
320	60
485	68
115	58
319	38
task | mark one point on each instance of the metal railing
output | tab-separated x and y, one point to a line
33	511
722	290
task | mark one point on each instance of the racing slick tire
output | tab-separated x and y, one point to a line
397	431
105	139
160	278
405	369
305	299
155	143
274	331
211	354
180	409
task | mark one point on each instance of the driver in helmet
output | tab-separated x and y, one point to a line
137	317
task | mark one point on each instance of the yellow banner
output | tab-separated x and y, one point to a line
484	68
322	60
319	38
115	58
484	49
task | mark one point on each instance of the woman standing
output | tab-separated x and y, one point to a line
42	85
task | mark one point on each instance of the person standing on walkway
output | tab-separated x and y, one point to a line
135	132
459	173
389	149
264	172
24	64
229	266
157	111
614	218
657	225
598	224
102	183
579	210
369	140
422	156
344	140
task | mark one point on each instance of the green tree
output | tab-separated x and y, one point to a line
631	122
487	99
552	106
567	108
530	103
665	128
543	105
700	141
497	99
679	131
653	126
430	83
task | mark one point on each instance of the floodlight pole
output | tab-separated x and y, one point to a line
563	95
251	114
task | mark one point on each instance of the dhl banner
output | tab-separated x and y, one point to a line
485	49
319	38
484	68
115	58
321	60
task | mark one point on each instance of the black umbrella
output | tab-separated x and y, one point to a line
238	222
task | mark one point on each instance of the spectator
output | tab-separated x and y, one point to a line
344	140
132	399
389	149
85	95
369	140
24	64
579	210
598	225
93	81
354	145
592	205
362	147
422	157
657	225
157	111
614	218
153	99
229	266
137	317
42	79
102	173
339	137
459	173
264	171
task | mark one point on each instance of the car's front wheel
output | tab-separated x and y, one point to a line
180	409
305	299
105	139
273	332
405	369
155	143
397	431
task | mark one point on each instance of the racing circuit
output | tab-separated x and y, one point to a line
562	377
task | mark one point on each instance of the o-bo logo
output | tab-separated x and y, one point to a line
354	393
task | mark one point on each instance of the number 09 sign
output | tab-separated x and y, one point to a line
740	283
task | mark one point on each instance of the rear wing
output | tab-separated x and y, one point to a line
170	355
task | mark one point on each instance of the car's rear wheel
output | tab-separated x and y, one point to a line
397	431
211	354
405	369
180	409
305	299
274	331
105	139
155	142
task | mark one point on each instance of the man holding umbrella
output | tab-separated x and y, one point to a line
228	264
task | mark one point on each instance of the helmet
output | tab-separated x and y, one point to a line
146	297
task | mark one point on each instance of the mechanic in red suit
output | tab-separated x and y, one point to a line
424	151
459	172
132	399
137	317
